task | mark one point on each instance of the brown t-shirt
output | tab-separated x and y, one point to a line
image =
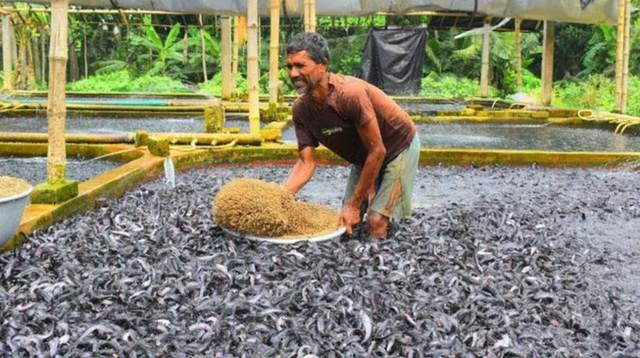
351	103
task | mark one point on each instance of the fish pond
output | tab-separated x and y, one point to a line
495	262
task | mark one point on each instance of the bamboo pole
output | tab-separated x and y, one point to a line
97	11
226	57
547	63
625	66
307	14
43	52
622	13
253	72
204	51
518	50
175	138
138	25
214	138
242	30
84	50
14	50
36	59
56	110
486	48
274	46
234	59
312	15
21	63
31	66
69	138
7	62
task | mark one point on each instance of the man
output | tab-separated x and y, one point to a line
361	124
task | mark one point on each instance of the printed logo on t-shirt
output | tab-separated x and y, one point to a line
328	131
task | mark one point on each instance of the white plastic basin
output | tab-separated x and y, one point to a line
11	209
276	240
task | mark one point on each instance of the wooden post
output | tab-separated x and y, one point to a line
259	26
31	64
225	23
253	72
56	111
625	65
312	15
242	30
14	50
20	78
307	15
621	55
518	49
84	50
622	14
274	46
203	53
234	59
43	53
7	62
486	48
36	59
547	63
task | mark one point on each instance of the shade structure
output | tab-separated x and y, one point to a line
604	11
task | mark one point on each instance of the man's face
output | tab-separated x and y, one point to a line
304	72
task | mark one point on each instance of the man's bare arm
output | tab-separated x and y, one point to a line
372	140
302	170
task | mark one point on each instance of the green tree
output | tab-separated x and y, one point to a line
165	57
462	56
193	68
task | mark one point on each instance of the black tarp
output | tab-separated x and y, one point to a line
393	60
585	3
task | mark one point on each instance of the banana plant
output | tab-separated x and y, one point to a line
463	56
165	55
194	58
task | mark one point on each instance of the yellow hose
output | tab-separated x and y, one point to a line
191	147
111	154
223	146
621	121
213	146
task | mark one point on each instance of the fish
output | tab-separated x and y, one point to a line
501	272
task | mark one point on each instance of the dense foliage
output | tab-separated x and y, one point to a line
450	86
122	81
165	54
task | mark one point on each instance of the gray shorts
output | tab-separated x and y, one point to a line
394	185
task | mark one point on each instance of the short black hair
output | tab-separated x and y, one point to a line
312	42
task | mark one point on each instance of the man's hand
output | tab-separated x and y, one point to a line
349	217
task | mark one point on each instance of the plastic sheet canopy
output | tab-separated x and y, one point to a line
580	11
393	60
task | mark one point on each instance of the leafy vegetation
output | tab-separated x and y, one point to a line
214	86
450	86
346	53
158	84
121	81
165	55
597	92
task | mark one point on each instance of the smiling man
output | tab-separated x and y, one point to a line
361	124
